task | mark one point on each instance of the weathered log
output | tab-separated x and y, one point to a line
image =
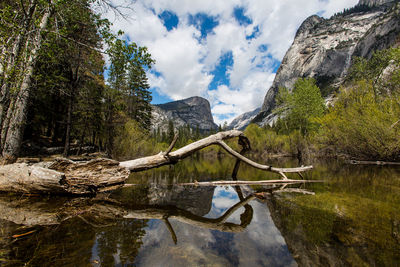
216	139
264	182
378	162
20	177
64	176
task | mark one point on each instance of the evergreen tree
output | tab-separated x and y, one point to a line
139	107
171	131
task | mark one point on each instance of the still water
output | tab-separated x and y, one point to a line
351	219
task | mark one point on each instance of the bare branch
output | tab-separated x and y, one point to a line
171	146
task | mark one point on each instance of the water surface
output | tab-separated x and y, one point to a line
353	219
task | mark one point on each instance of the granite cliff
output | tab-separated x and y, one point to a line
194	111
373	2
324	48
241	121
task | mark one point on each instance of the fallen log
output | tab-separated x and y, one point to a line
377	162
264	182
64	176
216	139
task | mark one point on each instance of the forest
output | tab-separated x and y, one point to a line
56	88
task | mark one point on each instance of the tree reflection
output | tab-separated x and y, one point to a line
122	240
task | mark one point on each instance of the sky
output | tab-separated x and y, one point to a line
226	51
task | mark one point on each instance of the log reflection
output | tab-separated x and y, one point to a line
30	213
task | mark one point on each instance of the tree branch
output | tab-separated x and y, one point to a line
216	139
171	146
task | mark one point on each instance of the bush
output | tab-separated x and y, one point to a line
266	140
132	141
362	124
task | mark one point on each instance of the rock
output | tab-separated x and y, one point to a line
373	2
323	49
197	200
242	121
193	111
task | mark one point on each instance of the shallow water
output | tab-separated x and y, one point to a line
352	219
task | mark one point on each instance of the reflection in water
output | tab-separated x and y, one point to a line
353	219
248	237
164	228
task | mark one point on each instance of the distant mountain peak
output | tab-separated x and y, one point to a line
193	111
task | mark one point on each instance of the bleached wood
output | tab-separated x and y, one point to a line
216	139
263	182
69	177
63	177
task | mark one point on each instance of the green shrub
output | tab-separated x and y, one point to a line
132	141
363	124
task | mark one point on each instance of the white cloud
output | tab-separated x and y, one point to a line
185	62
178	56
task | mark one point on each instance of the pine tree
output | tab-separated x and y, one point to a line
139	107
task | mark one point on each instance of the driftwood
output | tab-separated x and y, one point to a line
264	182
67	177
63	177
365	162
216	139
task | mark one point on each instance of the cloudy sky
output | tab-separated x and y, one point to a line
226	51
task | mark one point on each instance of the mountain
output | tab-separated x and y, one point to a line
194	111
372	3
241	121
324	48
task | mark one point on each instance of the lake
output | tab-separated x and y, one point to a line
350	219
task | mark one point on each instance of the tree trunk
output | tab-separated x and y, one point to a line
74	87
68	129
11	63
13	139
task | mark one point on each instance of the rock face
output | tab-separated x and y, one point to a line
324	48
197	200
241	121
193	111
373	2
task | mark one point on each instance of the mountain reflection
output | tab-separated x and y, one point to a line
164	225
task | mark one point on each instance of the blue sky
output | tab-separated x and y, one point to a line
225	51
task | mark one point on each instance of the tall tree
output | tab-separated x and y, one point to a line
138	103
128	87
26	42
300	106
